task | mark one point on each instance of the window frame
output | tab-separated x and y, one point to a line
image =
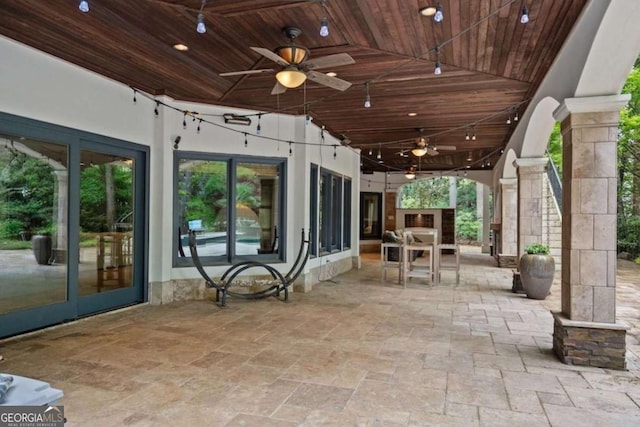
328	192
232	161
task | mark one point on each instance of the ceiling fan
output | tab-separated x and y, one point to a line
422	147
295	66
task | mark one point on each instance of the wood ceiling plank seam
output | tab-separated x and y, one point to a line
491	35
471	53
370	12
514	33
343	14
508	27
392	22
556	38
176	5
482	29
456	27
522	52
251	7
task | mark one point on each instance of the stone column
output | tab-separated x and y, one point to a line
585	331
482	204
60	216
509	226
530	175
453	192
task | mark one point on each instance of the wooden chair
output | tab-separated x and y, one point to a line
278	283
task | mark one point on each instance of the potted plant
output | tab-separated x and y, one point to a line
537	269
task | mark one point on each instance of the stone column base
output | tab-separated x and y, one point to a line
507	261
589	344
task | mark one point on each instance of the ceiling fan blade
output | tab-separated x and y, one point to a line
432	152
270	55
336	60
332	82
446	147
278	89
239	73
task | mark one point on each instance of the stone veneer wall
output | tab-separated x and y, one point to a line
589	344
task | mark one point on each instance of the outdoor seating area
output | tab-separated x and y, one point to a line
354	352
416	253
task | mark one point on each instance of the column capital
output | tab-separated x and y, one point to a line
507	182
525	162
591	104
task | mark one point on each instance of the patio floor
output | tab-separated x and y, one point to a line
353	352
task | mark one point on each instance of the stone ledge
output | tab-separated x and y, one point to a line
559	317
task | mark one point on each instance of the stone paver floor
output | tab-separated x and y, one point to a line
353	352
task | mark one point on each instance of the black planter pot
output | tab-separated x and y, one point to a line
41	246
536	272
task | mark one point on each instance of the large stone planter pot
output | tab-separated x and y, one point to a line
536	272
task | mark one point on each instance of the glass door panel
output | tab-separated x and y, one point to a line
33	223
107	215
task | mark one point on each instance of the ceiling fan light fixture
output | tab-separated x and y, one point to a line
410	174
419	151
291	77
293	54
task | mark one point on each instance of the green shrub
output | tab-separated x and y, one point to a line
537	248
10	229
467	226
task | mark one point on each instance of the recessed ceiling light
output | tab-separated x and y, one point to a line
181	47
412	114
332	74
428	11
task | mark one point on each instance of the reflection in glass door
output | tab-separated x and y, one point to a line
33	223
106	222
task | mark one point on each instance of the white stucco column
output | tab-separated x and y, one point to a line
509	215
482	204
530	171
585	332
61	216
453	192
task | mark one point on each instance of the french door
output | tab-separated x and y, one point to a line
72	224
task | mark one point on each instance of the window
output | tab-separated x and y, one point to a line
330	211
234	204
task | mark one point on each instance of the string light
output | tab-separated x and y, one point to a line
509	119
83	6
466	136
438	16
324	23
515	117
199	122
134	96
335	152
155	109
246	143
473	137
438	69
367	99
259	128
524	17
184	120
201	27
291	151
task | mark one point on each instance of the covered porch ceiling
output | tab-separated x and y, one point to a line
491	63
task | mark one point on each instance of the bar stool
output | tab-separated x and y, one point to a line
448	265
387	250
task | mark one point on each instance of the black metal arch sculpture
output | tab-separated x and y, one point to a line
277	284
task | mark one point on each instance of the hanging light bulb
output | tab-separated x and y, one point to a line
524	17
258	127
515	118
324	27
473	137
438	70
84	6
201	27
367	99
509	119
438	16
467	137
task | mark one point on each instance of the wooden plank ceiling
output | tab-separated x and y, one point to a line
491	63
